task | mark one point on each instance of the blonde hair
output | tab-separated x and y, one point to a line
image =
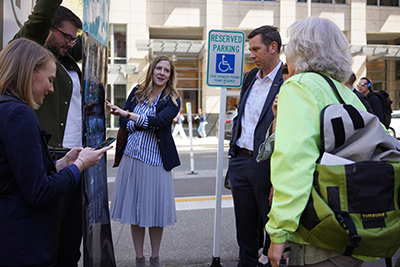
18	62
317	44
146	86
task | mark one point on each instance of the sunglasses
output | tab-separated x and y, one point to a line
67	37
361	84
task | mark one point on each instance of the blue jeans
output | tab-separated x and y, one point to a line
202	129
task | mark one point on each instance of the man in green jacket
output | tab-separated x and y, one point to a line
56	28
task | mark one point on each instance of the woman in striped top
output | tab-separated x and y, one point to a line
143	194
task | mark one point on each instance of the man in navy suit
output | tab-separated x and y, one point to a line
251	180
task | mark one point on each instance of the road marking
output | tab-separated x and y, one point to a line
202	202
191	199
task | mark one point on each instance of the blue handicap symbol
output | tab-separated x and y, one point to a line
225	63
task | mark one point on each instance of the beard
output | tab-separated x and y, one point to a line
51	44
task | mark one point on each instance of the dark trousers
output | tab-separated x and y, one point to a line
264	241
67	236
250	189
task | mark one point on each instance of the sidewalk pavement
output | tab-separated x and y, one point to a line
190	242
196	141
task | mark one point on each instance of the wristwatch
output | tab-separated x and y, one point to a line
128	115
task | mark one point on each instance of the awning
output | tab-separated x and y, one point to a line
124	69
171	47
373	52
195	48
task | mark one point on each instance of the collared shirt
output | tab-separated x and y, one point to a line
73	126
142	144
253	107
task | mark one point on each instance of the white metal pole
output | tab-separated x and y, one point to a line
189	110
220	165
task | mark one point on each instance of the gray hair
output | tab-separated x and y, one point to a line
317	44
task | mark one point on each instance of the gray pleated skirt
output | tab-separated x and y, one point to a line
143	195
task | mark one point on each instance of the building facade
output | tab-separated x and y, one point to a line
143	29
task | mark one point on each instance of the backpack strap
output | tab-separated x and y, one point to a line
332	85
347	223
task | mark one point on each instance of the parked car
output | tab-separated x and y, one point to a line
229	123
394	127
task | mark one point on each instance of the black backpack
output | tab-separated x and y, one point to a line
386	107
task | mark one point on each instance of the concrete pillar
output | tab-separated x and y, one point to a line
358	34
287	15
214	21
134	15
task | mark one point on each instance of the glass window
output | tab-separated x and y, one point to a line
324	1
397	70
389	2
191	96
383	2
117	44
377	72
119	95
108	116
188	71
116	94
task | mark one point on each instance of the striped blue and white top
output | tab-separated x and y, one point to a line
142	145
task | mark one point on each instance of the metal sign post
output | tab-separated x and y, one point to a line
224	69
189	112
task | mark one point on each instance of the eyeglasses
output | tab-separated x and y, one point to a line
361	84
67	37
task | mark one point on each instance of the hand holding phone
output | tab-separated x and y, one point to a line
106	142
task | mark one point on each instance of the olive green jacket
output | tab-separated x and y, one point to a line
52	114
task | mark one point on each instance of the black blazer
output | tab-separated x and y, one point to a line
266	116
166	111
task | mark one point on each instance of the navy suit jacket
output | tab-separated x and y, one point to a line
27	213
166	111
266	117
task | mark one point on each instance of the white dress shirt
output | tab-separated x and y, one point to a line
253	107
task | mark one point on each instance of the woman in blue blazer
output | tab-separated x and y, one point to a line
30	182
143	194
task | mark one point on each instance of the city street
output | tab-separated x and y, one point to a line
190	241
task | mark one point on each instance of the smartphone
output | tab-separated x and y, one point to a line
106	142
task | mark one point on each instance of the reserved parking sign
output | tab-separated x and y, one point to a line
225	58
